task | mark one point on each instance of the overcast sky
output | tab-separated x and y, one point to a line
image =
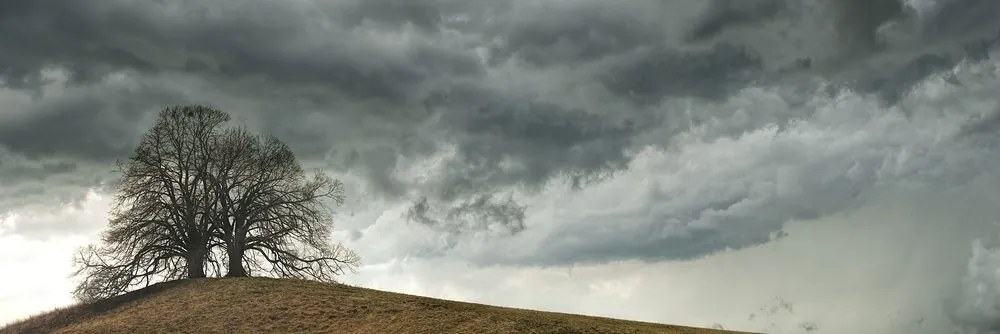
790	166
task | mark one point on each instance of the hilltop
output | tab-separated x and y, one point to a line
258	305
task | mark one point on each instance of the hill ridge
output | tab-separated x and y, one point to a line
255	305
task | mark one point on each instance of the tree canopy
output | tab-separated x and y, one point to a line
197	198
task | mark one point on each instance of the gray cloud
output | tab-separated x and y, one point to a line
857	21
483	213
512	97
97	123
550	35
624	47
65	28
879	47
425	14
506	141
986	124
33	184
722	15
893	85
57	144
964	19
912	43
654	73
735	183
93	40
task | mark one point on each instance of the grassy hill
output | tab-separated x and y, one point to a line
258	305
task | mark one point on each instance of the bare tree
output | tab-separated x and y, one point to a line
270	215
192	187
158	229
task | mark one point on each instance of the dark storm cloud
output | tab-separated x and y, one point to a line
63	140
58	33
969	23
657	72
946	34
483	213
292	52
724	14
27	183
39	172
894	84
548	35
880	47
425	14
91	124
856	21
512	140
965	19
285	44
292	49
295	48
368	87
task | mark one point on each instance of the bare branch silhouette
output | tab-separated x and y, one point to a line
191	188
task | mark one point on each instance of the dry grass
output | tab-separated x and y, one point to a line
260	305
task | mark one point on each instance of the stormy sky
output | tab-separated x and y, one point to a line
789	166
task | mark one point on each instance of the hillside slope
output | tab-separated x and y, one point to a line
259	305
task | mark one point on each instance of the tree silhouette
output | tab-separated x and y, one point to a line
270	214
156	228
192	187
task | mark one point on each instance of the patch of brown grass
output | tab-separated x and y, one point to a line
262	305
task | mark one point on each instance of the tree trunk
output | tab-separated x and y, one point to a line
234	249
235	262
196	263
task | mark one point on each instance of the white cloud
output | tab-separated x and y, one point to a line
37	268
977	304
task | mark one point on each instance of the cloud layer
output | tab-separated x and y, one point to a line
527	134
